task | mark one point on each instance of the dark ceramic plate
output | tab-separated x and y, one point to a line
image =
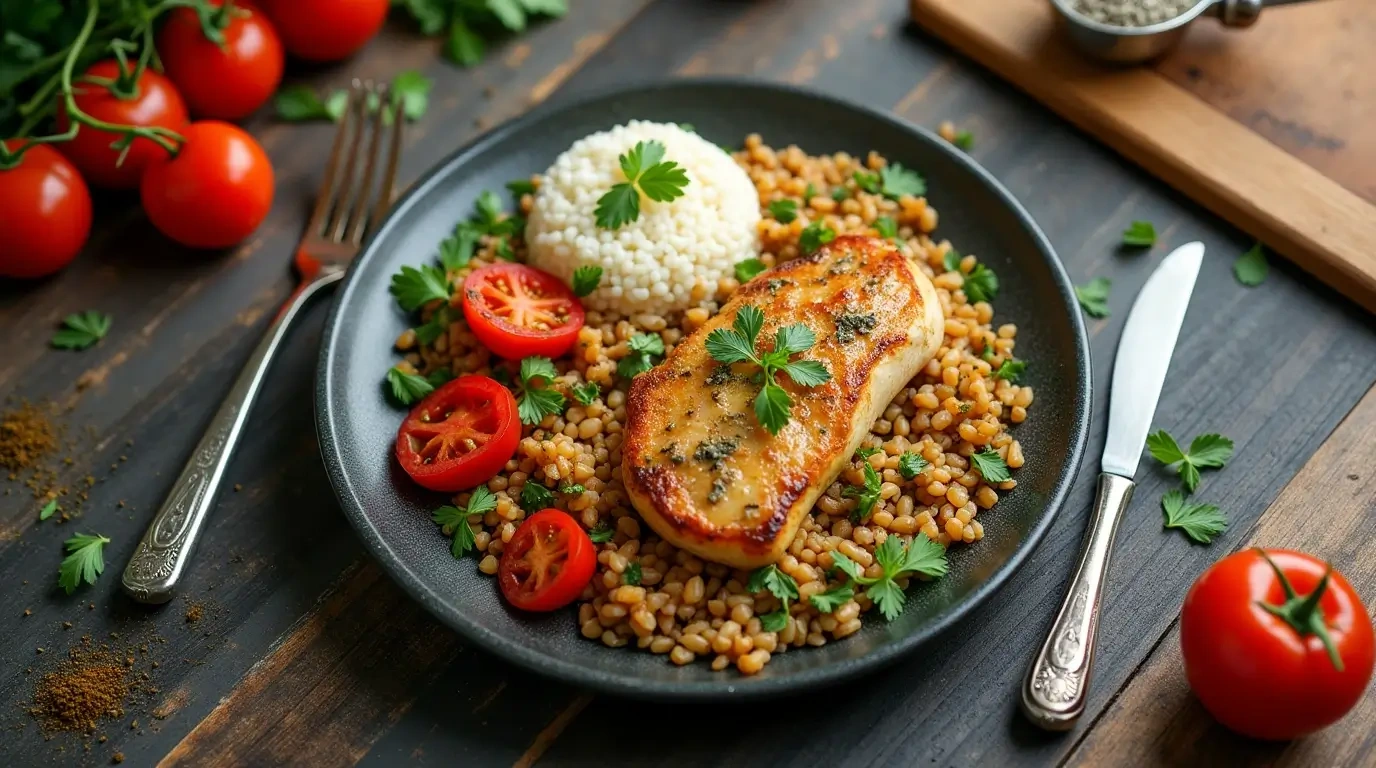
356	422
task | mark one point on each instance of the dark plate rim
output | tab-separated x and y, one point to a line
727	687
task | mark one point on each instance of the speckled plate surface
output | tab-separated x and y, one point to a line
357	423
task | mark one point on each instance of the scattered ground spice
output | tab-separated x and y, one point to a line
82	691
195	613
26	437
117	758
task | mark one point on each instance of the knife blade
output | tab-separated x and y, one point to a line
1144	355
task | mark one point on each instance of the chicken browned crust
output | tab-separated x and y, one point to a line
697	464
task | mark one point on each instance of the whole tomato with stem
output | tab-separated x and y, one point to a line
326	30
214	192
115	93
226	63
1276	643
45	212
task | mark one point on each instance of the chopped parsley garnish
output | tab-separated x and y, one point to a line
951	260
521	187
1140	234
439	376
911	465
586	279
48	509
437	326
810	192
981	284
780	585
897	181
886	227
407	388
586	392
457	250
1093	296
536	401
868	181
737	345
988	354
572	489
646	173
814	236
1201	522
991	466
748	268
1210	451
830	600
601	534
839	194
1011	370
866	452
453	521
1251	268
631	575
965	140
784	211
922	556
645	347
81	330
414	287
85	561
535	497
851	324
867	496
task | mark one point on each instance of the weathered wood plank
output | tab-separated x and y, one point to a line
1326	510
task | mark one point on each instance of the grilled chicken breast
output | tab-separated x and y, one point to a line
698	465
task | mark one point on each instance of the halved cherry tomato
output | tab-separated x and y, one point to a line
326	30
153	101
460	435
225	81
45	213
547	562
517	311
1264	661
215	192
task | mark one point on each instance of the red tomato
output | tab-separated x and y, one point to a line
460	435
1263	662
326	30
215	192
547	563
517	311
224	82
45	213
154	102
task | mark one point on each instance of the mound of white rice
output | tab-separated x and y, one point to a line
651	264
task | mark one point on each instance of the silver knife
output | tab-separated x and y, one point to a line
1057	684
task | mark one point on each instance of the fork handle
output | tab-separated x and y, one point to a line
1057	683
164	551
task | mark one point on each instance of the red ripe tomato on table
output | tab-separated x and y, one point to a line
326	30
460	435
215	192
1276	643
151	100
229	78
45	213
547	563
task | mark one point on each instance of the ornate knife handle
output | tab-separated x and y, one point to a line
1053	695
162	554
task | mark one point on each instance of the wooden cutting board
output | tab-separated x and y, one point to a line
1272	127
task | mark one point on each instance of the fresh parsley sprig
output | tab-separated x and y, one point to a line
414	287
981	284
747	269
586	392
737	345
1210	451
991	466
81	330
779	584
632	575
1201	522
965	140
897	181
601	534
85	561
1011	370
646	173
535	497
866	496
407	388
453	521
910	465
586	279
645	347
784	211
536	400
815	235
830	600
886	227
922	556
1140	234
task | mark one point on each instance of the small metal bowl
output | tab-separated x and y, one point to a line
1134	45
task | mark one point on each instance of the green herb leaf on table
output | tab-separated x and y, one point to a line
1011	370
81	330
586	279
965	140
748	268
645	347
922	556
1201	522
737	345
898	181
48	509
85	561
411	90
1209	451
298	103
951	260
601	534
991	465
414	287
1251	268
586	392
407	388
646	173
867	496
535	497
1140	234
535	401
981	284
1093	296
830	600
784	211
886	227
814	236
461	45
632	574
911	464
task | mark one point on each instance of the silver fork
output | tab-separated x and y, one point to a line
338	222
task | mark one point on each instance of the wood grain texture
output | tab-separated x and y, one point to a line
1326	509
1273	195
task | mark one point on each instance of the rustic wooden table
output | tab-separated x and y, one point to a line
306	653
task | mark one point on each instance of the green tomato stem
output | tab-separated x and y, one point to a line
1302	612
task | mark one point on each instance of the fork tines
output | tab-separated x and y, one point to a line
341	213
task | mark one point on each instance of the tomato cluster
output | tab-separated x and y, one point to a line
204	183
